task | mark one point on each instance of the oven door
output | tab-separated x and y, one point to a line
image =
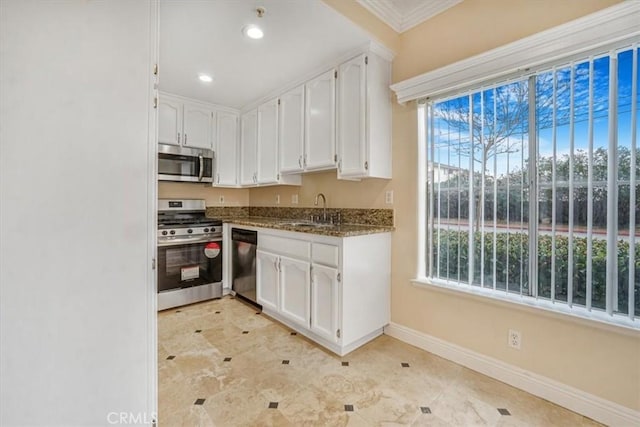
183	264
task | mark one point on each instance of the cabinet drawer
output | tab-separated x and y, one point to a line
324	254
281	245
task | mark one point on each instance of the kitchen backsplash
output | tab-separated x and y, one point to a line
381	217
227	211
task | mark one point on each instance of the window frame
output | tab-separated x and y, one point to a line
425	232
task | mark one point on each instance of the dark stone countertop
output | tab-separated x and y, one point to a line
337	230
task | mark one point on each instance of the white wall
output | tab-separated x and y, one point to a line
77	317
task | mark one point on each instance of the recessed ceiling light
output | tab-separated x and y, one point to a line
253	32
205	78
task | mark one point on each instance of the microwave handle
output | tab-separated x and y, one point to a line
201	172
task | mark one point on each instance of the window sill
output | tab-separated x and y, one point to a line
617	324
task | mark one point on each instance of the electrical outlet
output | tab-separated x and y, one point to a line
388	197
515	339
221	200
294	199
277	199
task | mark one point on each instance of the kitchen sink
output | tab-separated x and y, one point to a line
307	224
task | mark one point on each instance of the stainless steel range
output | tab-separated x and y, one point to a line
189	253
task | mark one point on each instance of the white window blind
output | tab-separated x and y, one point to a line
533	186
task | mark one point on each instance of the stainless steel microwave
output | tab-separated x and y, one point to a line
176	163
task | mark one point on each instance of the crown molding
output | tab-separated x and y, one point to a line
611	25
384	10
426	10
401	20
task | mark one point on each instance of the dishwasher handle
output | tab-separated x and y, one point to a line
247	236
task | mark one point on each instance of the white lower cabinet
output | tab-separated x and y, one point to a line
333	290
295	293
267	280
324	302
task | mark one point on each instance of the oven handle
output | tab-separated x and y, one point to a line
201	172
188	241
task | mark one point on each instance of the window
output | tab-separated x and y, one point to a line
533	188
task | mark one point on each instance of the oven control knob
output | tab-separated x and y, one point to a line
164	233
172	232
206	230
189	231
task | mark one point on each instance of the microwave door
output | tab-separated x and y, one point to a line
172	167
204	169
184	164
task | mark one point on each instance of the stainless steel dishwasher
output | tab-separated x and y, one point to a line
243	268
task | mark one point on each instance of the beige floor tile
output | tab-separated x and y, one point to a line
313	388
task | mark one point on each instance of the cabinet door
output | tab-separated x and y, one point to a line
248	146
197	126
324	302
268	142
227	149
320	120
267	279
295	290
169	120
291	120
352	154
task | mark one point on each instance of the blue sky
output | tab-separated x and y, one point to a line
581	73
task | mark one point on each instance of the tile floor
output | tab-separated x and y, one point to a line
223	364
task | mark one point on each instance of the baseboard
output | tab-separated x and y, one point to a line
591	406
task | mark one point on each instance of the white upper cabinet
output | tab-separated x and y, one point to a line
181	122
320	122
268	143
197	126
169	120
226	149
291	125
259	146
248	148
352	88
364	118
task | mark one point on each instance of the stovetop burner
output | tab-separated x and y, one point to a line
183	213
194	222
185	219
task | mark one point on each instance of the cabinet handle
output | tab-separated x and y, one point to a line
279	265
275	264
366	165
340	165
300	161
304	162
185	138
178	137
218	178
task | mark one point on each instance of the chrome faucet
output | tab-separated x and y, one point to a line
324	206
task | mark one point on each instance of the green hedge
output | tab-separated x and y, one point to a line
513	247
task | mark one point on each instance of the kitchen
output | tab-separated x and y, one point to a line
86	317
282	139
